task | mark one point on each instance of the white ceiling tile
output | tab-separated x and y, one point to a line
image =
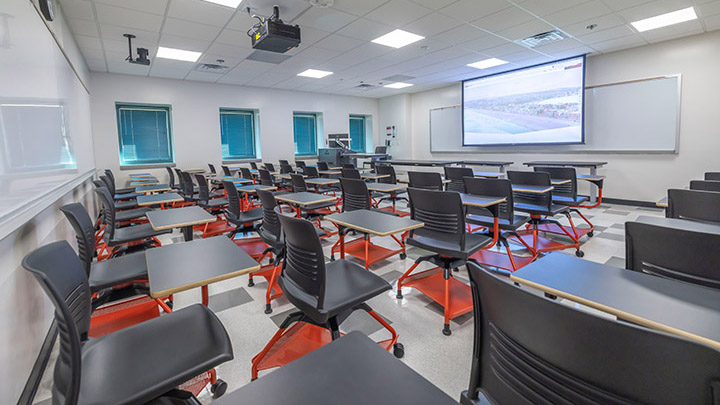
88	42
525	30
653	9
93	53
203	76
617	5
397	13
434	4
242	22
95	65
169	73
620	43
163	64
602	23
582	12
486	42
127	68
708	9
337	42
356	7
505	18
325	19
146	6
189	29
289	9
505	49
128	18
310	36
469	10
201	12
229	52
229	59
319	54
673	31
605	35
234	38
413	51
544	7
559	46
364	30
79	9
82	27
144	39
432	24
186	43
712	23
463	33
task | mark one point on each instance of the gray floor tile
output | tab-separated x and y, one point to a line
615	261
613	236
229	299
616	212
618	226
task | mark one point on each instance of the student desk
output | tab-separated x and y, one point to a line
406	180
304	198
321	181
352	370
501	165
674	307
371	223
184	218
374	176
156	188
423	163
491	175
155	199
557	182
593	166
248	189
144	182
531	189
386	187
136	175
184	266
330	172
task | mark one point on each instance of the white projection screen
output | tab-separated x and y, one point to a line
536	105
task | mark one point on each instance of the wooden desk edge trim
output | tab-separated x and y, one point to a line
165	293
370	231
500	201
285	200
160	202
620	314
545	190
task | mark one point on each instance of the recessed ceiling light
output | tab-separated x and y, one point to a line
227	3
398	85
178	54
487	63
315	74
398	39
663	20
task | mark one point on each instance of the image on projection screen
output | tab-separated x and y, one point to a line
536	105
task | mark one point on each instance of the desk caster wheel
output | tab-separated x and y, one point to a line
251	283
268	309
591	234
399	350
332	258
579	253
403	256
446	330
218	389
169	303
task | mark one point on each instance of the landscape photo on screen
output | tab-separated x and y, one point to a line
537	105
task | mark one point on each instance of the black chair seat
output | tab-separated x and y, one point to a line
125	205
473	243
533	209
245	217
131	214
346	285
317	206
135	233
126	196
504	224
214	203
132	366
563	200
119	270
127	190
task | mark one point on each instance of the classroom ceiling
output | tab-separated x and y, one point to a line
337	38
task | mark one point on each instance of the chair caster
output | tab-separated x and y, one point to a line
579	253
403	256
591	234
332	258
399	350
268	310
251	283
446	330
169	303
218	389
399	295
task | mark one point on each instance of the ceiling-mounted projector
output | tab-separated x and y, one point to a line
142	58
271	34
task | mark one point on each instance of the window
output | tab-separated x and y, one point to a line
305	128
357	133
237	134
145	134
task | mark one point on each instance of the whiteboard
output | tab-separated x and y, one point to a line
635	116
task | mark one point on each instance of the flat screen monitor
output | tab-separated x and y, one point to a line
536	105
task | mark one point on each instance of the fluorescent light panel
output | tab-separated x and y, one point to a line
178	54
226	3
663	20
398	85
398	39
487	63
315	74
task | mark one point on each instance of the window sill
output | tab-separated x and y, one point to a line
147	166
305	157
235	161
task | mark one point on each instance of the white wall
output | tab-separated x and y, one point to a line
643	177
396	111
195	108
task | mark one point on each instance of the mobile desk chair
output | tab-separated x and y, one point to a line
313	211
707	185
456	176
135	365
713	176
694	205
564	192
325	294
426	180
111	176
119	205
226	171
110	185
171	178
394	194
529	349
215	204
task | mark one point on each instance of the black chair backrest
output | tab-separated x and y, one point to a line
347	166
108	184
304	264
714	176
694	205
188	187
531	179
527	352
441	211
355	195
226	171
456	175
107	207
270	230
254	166
266	178
425	180
234	207
298	183
180	178
284	162
171	176
351	173
492	188
203	189
212	168
245	173
381	149
60	273
270	167
562	173
111	176
311	172
323	166
285	168
80	220
386	170
300	164
708	185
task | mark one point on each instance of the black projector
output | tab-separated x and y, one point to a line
274	36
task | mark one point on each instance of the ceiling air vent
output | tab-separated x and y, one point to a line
365	86
211	68
542	39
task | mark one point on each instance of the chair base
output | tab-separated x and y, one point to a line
506	261
114	317
218	227
564	230
394	211
369	252
254	247
271	273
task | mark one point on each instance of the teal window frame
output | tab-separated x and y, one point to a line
128	142
232	136
307	136
358	133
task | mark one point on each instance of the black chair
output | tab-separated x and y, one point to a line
324	293
323	166
171	178
226	171
351	173
394	197
212	202
528	351
254	166
243	220
694	205
311	172
284	162
246	174
134	365
708	185
567	194
426	180
110	185
348	166
267	179
444	234
122	217
212	168
119	205
314	211
111	176
456	176
712	176
270	167
508	222
188	190
541	208
300	164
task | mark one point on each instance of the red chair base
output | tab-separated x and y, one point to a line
564	230
369	252
506	261
542	245
114	317
394	211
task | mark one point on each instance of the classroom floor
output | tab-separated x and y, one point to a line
444	360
